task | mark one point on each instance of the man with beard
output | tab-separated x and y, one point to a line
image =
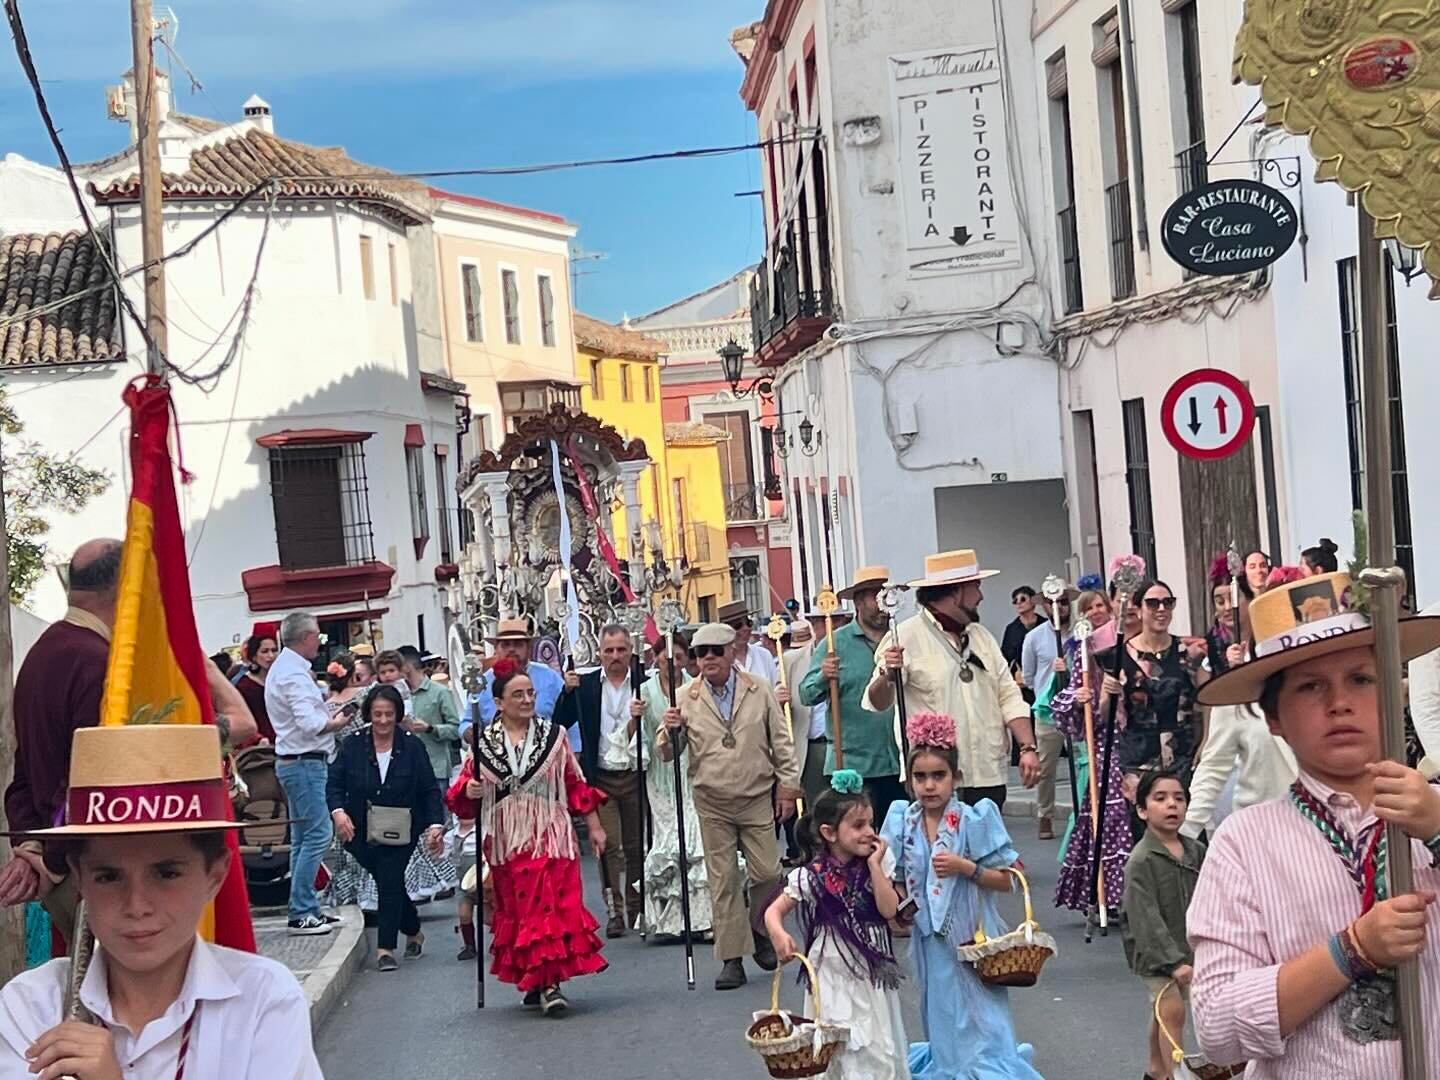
953	666
869	734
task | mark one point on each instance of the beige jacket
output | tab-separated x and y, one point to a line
980	708
764	751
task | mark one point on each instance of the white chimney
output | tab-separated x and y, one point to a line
258	110
121	105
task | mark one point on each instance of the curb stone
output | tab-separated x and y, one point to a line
328	980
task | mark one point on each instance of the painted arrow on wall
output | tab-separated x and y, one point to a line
960	235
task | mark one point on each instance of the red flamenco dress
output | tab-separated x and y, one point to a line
542	934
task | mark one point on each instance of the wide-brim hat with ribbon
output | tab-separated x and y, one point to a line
1302	620
513	630
867	577
952	568
145	778
733	612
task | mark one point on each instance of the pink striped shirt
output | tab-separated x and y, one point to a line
1273	888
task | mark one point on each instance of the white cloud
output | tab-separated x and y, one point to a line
537	41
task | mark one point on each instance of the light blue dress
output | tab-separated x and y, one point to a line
971	1035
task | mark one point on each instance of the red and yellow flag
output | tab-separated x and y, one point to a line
157	668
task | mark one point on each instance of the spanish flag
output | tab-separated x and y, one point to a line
157	668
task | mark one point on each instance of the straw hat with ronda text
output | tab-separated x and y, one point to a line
1302	620
957	567
145	778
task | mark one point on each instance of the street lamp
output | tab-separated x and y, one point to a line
732	365
810	439
1402	258
778	437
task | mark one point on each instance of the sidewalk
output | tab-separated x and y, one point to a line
1020	801
324	964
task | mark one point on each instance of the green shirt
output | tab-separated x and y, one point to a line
1158	888
869	736
435	704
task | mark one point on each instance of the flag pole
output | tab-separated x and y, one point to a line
1386	581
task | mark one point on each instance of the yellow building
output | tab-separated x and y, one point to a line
681	494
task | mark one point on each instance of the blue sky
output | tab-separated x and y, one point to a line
460	83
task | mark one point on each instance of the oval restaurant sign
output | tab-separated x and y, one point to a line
1229	227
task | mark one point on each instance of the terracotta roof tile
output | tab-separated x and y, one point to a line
612	340
694	433
39	269
233	167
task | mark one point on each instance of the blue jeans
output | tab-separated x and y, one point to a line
310	832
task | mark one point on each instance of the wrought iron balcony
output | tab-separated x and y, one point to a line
744	502
1122	240
1069	259
1192	165
791	305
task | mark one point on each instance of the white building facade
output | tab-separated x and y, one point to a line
1137	100
906	296
321	445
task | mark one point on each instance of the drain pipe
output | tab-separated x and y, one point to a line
1132	102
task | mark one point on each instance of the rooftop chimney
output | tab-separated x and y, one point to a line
258	109
120	102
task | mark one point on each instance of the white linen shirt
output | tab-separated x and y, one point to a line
760	662
1425	696
981	708
1238	739
253	1021
617	749
297	707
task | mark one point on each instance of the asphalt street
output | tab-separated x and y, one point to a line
1086	1017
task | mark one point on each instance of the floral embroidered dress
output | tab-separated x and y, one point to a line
542	932
1072	889
849	945
967	1023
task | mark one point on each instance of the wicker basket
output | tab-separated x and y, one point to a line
792	1045
1013	959
1198	1064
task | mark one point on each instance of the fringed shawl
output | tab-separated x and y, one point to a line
528	814
842	905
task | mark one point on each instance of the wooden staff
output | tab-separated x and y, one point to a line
479	858
637	680
827	602
1082	633
775	630
670	616
1125	580
1054	588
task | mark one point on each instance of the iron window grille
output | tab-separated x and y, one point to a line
472	297
321	499
547	311
419	512
511	289
1122	240
1137	480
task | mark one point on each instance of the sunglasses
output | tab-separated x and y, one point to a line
1155	603
702	651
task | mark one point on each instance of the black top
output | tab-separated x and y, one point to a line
582	706
1160	713
355	782
1012	645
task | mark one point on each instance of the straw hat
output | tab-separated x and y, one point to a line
733	612
1302	620
513	630
867	577
952	568
145	778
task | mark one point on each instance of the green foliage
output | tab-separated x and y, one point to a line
147	713
37	482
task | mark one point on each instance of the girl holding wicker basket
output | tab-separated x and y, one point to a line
953	859
844	894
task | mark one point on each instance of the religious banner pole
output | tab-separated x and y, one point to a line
1082	631
1236	566
827	602
889	601
1385	582
634	619
668	619
1053	588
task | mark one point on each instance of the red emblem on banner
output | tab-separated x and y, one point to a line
1381	62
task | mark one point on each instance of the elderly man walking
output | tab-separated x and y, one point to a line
742	765
304	743
952	665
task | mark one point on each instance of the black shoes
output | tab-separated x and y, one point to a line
765	958
467	953
414	947
532	1000
552	1002
732	975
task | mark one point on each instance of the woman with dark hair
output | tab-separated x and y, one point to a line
1159	676
1320	559
383	799
522	785
1256	578
260	653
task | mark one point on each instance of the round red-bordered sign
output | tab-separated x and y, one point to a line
1207	414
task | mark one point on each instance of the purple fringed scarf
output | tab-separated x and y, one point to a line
844	906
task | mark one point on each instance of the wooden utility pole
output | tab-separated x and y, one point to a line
1386	582
147	146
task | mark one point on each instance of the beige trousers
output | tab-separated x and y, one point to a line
1050	743
749	825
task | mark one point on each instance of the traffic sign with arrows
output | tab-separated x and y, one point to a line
1207	414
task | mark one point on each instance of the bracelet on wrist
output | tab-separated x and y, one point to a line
1352	939
1433	846
1029	748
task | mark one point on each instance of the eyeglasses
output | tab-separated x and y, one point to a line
702	651
1017	601
1155	603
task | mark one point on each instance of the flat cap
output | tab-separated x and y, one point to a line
713	634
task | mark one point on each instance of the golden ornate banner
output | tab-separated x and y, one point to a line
1360	79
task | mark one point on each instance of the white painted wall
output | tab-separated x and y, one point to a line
316	354
918	357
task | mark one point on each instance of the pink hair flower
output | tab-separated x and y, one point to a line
930	729
336	668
